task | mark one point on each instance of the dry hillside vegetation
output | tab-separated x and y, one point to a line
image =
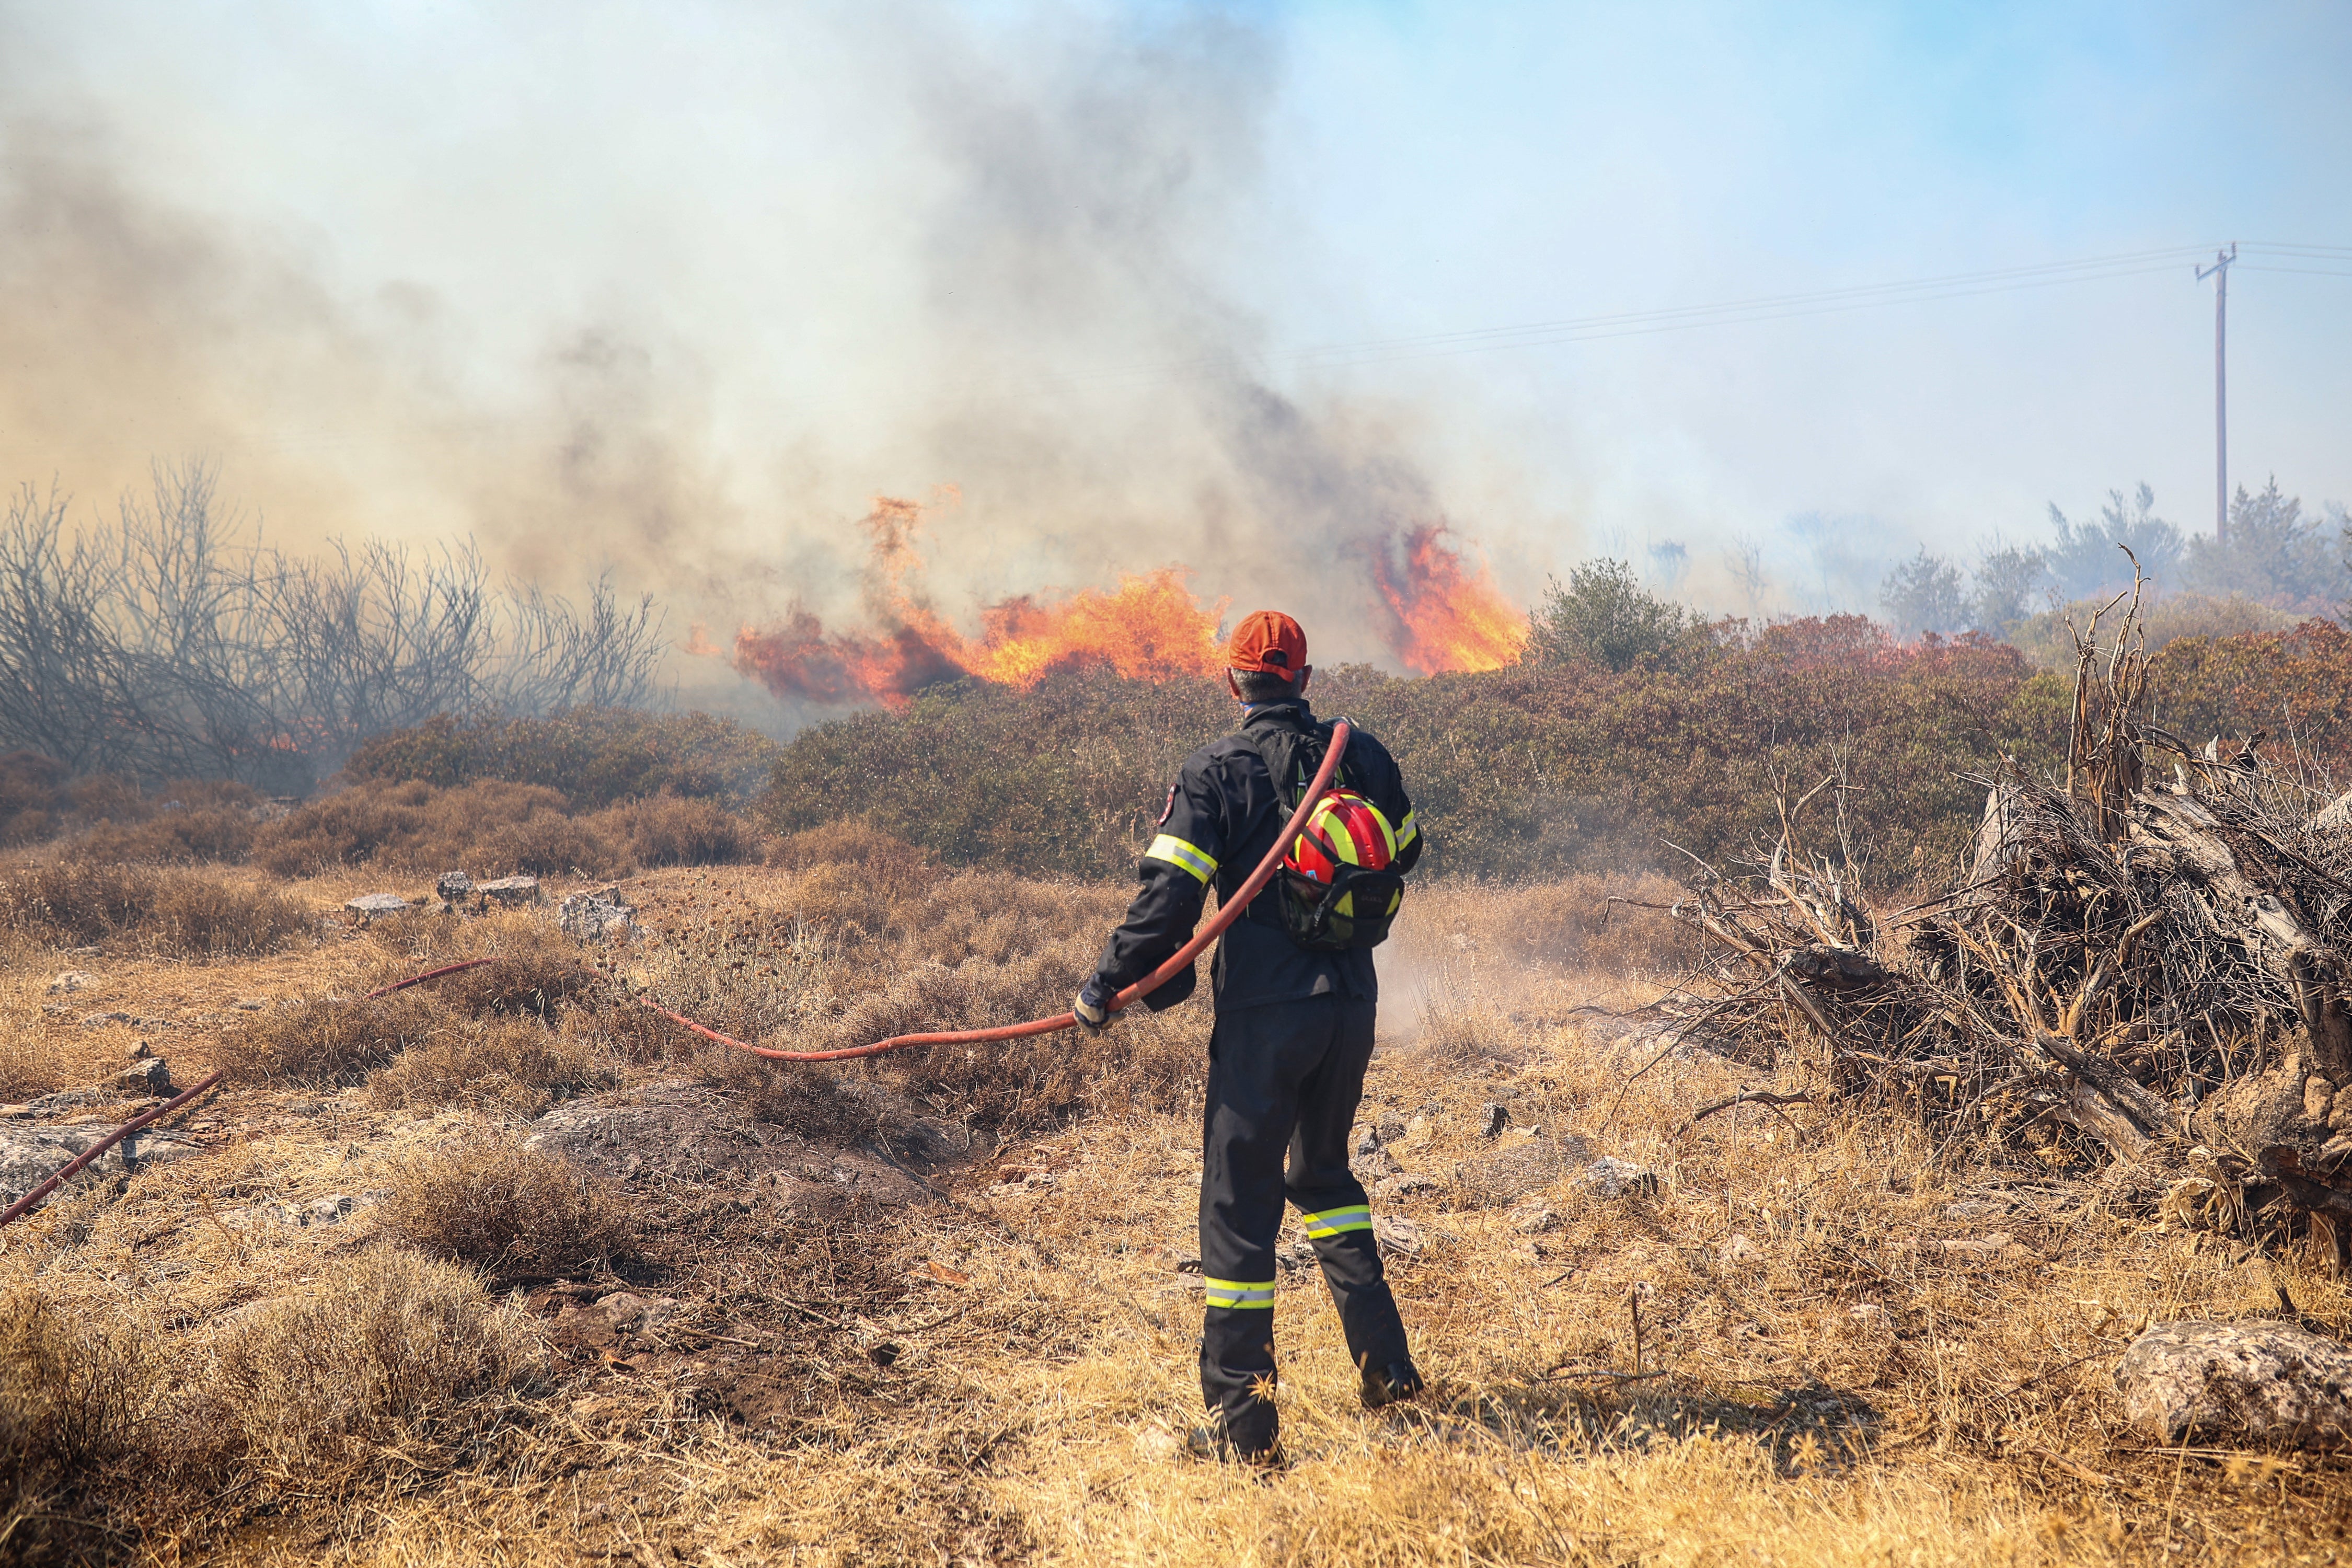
503	1269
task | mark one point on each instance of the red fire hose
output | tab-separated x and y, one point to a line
156	1114
1227	913
103	1144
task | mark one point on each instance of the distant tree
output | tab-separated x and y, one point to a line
1745	558
1604	615
2085	559
2006	577
2275	555
1924	594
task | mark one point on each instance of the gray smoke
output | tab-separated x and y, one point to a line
876	250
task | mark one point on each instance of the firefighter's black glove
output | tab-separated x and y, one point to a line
1093	1005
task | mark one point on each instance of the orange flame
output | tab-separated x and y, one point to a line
1151	628
1451	617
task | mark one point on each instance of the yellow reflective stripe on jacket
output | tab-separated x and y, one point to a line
1405	831
1241	1292
1332	1222
1176	852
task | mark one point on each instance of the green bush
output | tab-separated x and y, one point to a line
1604	615
594	756
1519	772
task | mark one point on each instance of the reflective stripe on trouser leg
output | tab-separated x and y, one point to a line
1332	1222
1240	1294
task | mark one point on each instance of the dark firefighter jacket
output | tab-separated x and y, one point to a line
1223	814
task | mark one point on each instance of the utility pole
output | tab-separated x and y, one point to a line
2220	273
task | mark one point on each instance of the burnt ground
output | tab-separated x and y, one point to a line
756	1290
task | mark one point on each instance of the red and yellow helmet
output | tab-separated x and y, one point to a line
1344	828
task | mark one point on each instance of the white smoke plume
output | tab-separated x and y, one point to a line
681	300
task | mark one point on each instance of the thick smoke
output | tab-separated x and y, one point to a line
885	250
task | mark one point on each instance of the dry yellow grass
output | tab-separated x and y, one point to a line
1000	1371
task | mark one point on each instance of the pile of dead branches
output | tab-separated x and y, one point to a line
2146	963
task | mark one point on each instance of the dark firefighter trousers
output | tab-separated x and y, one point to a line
1284	1078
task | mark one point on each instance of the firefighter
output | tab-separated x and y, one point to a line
1294	989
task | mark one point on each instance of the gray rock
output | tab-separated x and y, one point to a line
153	1076
150	1146
66	1099
1368	1140
249	1004
72	980
31	1155
2259	1383
1614	1178
100	1020
1398	1238
594	917
375	905
1492	1117
510	890
453	885
1404	1185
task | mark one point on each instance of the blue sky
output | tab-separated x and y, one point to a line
679	288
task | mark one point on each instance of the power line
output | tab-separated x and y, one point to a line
2299	271
1773	306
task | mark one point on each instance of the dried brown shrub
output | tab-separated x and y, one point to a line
676	831
510	1065
544	843
635	1034
31	801
891	868
109	1419
75	903
72	1389
538	968
517	1214
198	835
326	1041
390	1353
35	1060
489	828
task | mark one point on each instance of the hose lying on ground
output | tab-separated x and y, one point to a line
156	1114
1227	913
103	1144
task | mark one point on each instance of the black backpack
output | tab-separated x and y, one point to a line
1312	912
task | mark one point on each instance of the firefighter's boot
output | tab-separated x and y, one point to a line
1387	1383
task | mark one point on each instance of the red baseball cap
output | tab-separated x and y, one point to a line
1267	640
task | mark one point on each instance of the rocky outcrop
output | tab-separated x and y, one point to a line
2262	1384
377	906
596	917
